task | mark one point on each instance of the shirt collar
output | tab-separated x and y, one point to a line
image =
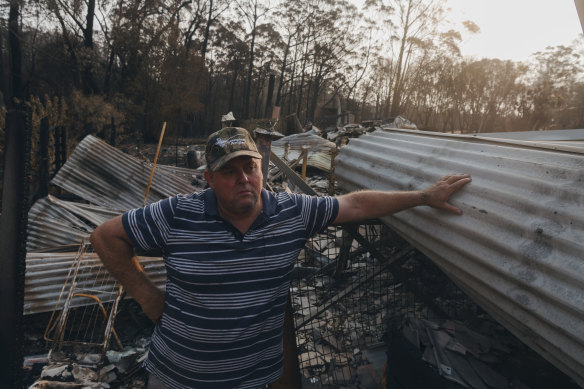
269	202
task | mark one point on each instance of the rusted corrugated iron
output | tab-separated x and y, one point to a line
47	273
92	213
113	182
51	226
320	150
99	173
517	249
106	176
54	222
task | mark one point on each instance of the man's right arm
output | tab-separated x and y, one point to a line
115	249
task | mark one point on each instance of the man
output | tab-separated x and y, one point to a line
229	251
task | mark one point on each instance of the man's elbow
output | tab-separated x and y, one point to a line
109	231
96	237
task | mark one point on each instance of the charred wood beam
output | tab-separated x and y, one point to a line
399	274
60	147
407	278
112	132
332	266
292	175
401	255
291	376
338	265
353	230
345	249
292	165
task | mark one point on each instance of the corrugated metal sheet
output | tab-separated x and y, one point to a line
571	138
320	150
92	213
51	226
53	222
47	275
518	248
105	176
113	182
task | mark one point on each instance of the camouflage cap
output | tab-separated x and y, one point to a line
228	143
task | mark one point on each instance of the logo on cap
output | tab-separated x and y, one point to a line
228	143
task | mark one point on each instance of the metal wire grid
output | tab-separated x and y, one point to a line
340	295
83	328
344	292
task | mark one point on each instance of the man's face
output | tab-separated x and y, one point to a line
237	186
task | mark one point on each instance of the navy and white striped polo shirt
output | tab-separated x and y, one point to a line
226	292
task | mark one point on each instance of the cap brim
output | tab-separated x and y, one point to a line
218	164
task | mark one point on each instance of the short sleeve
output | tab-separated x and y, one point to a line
318	212
149	227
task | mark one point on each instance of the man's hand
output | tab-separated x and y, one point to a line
154	306
371	204
437	195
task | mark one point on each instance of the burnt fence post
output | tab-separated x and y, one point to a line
43	184
113	132
60	147
290	378
263	141
13	224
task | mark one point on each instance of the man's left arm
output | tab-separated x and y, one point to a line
363	205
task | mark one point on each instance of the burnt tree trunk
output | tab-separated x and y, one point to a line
15	54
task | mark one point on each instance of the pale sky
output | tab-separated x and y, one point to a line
515	29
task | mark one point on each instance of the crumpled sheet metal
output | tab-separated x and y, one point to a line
104	175
517	248
112	182
47	273
51	226
53	222
92	213
320	150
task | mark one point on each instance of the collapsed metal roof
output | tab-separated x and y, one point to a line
50	226
320	150
516	250
104	175
53	222
111	182
48	273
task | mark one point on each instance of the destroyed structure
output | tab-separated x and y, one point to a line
370	310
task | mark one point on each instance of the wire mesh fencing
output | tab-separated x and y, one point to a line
348	285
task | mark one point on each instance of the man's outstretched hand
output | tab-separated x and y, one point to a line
437	195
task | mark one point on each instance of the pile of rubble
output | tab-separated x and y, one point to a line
353	300
380	336
119	369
